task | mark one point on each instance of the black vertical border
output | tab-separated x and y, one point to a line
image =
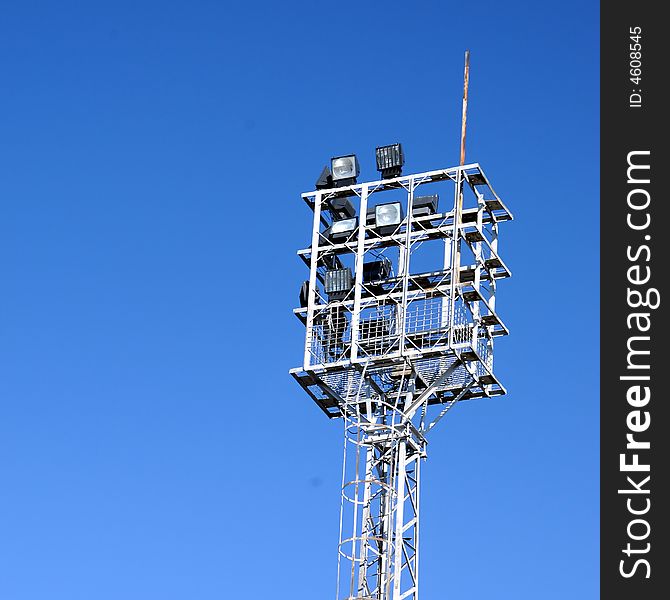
623	130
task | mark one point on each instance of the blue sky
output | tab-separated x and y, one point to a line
152	444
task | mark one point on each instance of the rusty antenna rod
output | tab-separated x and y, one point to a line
466	80
458	208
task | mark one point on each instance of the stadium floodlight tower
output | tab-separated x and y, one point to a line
400	320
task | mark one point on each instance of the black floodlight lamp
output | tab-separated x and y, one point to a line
376	270
341	208
304	294
388	217
390	160
341	230
424	205
370	216
325	180
331	261
337	283
344	170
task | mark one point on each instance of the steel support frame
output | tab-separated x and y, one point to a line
406	242
385	426
378	554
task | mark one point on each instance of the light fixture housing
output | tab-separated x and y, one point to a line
388	217
390	160
344	170
424	205
325	180
376	270
304	294
338	283
370	217
341	208
341	229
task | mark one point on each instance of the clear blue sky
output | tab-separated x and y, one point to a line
152	443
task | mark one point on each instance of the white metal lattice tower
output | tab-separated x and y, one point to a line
393	351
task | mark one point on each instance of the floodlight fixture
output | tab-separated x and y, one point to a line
344	170
424	205
376	270
331	261
341	208
341	230
337	283
390	160
304	294
370	217
388	217
325	180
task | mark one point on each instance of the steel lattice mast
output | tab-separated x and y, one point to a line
390	356
392	350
